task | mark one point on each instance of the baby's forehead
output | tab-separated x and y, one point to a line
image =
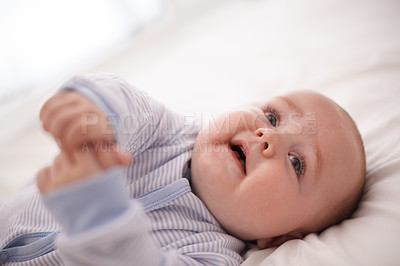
305	103
309	97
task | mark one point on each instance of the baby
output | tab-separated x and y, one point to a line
136	184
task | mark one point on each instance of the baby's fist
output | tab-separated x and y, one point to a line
78	165
73	120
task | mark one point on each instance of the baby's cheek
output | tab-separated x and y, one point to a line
271	190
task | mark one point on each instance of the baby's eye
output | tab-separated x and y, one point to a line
297	164
271	118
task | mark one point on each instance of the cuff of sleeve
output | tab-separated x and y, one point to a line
89	203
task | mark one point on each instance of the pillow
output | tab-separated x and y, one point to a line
349	51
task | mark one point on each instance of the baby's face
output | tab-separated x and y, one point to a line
275	167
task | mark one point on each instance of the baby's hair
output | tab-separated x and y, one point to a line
355	199
349	204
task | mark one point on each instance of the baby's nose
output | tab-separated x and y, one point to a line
263	134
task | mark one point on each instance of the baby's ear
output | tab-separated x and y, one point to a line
278	240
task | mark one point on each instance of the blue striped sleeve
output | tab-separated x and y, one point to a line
89	203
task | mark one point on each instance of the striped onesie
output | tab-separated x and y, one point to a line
144	214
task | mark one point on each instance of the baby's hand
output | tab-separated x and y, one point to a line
79	164
74	120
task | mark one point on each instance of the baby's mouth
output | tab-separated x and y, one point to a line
238	151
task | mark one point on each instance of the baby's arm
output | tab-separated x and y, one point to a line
133	118
101	226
